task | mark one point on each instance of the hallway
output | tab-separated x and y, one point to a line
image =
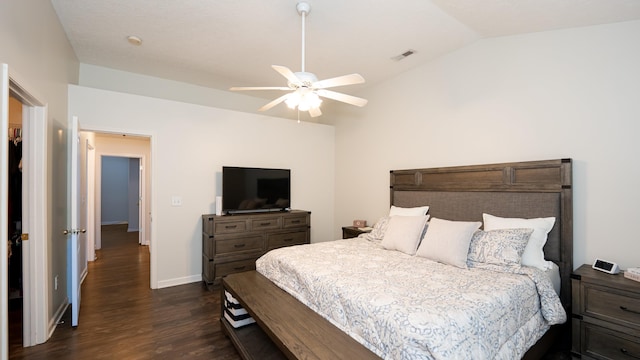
122	318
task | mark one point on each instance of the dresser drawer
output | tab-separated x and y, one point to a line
230	227
285	239
233	245
612	305
603	343
234	267
295	221
265	223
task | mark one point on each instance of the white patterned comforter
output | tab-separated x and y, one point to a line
407	307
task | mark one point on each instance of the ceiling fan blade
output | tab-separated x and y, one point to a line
274	103
339	81
315	112
284	71
243	88
353	100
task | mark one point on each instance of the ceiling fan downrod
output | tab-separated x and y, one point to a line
303	9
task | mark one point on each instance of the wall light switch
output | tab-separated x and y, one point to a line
176	201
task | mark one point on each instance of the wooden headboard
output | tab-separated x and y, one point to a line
522	189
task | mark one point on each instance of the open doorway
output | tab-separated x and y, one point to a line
26	224
122	184
120	194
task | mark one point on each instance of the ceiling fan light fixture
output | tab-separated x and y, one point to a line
309	101
293	100
303	100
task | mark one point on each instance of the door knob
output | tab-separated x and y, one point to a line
74	231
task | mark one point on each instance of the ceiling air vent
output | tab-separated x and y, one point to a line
403	55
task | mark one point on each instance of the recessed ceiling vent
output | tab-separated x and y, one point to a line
403	55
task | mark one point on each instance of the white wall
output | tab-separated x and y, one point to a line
189	146
139	84
134	194
88	143
558	94
41	60
114	206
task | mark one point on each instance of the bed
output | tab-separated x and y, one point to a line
371	303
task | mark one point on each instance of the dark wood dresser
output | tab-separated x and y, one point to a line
232	243
606	315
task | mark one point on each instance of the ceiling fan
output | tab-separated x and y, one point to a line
305	87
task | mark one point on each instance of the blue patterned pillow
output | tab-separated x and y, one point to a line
502	247
379	229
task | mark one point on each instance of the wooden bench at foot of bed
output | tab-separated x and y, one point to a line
285	328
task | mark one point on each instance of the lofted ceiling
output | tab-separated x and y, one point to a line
224	43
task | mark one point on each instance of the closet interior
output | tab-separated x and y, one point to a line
15	203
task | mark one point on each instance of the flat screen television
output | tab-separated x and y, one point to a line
246	189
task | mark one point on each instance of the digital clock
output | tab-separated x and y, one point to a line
606	266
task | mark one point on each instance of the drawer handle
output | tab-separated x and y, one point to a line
238	246
244	267
287	240
295	221
230	226
626	352
624	308
265	224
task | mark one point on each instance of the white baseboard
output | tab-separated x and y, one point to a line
179	281
114	222
84	275
53	322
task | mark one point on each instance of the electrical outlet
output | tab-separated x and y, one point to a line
55	283
176	201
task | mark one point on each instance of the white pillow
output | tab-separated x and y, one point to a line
448	241
413	211
533	253
404	233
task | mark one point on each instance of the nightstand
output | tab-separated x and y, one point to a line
605	315
352	231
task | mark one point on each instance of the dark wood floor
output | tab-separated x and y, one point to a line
122	318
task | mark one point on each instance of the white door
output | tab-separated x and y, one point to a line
4	203
76	230
142	220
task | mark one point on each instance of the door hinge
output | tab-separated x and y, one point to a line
24	237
